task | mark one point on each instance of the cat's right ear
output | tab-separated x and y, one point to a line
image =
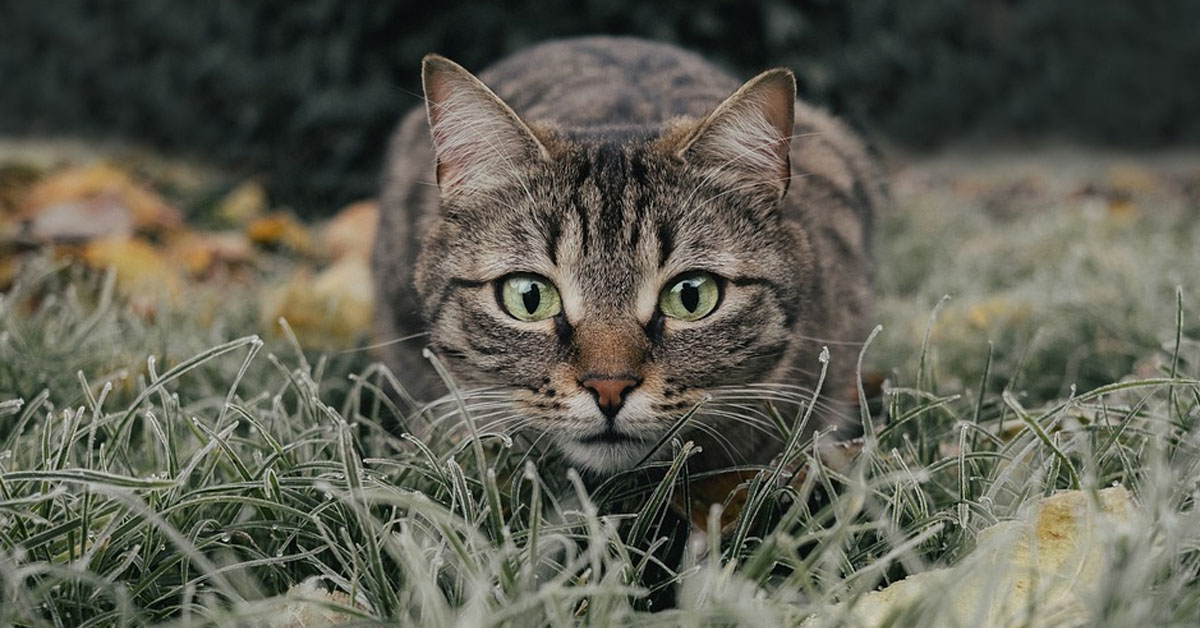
479	140
746	139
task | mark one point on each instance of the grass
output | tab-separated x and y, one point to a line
170	470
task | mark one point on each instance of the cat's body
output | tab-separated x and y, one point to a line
615	195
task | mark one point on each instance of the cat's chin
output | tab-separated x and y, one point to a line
604	456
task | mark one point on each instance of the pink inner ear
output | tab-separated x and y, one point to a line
775	110
436	91
459	124
747	138
780	110
772	97
478	139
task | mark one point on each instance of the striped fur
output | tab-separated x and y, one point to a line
605	169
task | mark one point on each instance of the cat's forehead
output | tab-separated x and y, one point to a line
625	181
622	134
623	199
607	157
614	210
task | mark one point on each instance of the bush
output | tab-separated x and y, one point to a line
306	92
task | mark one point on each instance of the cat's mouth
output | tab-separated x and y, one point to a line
605	451
609	436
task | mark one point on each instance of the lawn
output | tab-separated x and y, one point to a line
174	454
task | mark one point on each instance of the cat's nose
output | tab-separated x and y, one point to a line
609	392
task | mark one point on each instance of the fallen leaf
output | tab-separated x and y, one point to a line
15	181
144	274
92	202
280	229
243	204
82	220
1031	572
1129	177
308	605
351	231
1122	209
201	253
331	310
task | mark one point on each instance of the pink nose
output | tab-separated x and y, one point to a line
609	392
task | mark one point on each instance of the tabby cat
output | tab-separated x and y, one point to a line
600	233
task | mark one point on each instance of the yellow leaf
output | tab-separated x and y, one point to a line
1043	564
203	252
280	229
143	271
331	310
68	205
352	231
245	203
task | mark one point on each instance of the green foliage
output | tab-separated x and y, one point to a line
307	92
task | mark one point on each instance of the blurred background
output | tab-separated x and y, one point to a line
220	159
302	94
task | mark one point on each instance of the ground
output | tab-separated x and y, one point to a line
192	424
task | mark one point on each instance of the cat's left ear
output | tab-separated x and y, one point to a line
747	138
479	140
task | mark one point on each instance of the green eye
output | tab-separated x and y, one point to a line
529	297
690	297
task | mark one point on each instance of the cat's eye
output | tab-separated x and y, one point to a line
529	297
690	297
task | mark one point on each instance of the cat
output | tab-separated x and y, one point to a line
598	234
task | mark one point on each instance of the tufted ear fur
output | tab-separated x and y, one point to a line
746	139
479	140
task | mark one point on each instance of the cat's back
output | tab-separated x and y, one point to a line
607	81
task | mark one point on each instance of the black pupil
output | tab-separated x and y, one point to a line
531	297
690	295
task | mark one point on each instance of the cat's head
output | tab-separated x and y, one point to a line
605	281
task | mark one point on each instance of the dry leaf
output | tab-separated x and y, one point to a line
16	179
280	229
306	605
243	204
143	272
1030	572
92	202
202	253
82	220
1129	177
331	310
352	231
